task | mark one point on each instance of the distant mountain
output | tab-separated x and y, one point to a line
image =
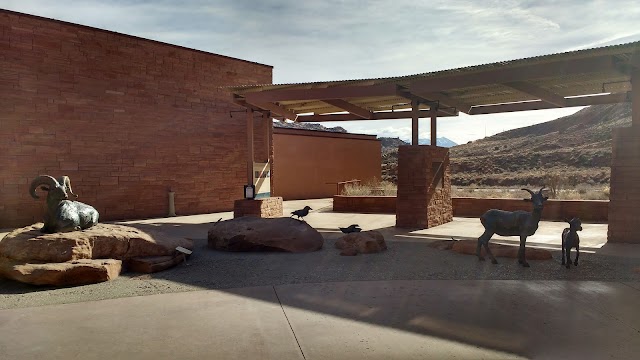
441	141
307	126
387	142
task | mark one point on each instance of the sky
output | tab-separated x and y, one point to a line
315	40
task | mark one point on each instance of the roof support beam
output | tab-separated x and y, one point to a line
540	105
540	93
351	108
336	92
278	110
448	108
387	115
520	73
447	101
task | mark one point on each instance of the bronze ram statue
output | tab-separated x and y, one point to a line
62	214
512	223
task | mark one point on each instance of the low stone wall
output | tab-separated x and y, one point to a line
365	204
270	207
586	210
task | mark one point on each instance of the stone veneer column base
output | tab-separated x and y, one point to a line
270	207
624	197
420	203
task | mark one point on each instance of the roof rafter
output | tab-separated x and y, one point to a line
386	115
351	108
540	93
541	104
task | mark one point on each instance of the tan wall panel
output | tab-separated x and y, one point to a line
304	164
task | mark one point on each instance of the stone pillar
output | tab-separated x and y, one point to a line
270	207
424	187
624	196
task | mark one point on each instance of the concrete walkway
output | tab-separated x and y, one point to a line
307	307
352	320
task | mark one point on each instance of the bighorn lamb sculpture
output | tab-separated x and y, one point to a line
511	223
62	214
570	239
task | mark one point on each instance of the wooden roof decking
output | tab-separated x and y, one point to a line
577	78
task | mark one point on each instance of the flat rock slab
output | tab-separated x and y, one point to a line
76	272
259	234
366	242
152	264
102	241
499	250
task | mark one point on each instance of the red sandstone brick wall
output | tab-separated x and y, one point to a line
126	118
365	204
308	164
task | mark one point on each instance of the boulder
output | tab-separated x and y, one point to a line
76	272
84	257
101	241
365	242
250	233
499	250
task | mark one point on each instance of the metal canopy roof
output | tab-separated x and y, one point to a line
576	78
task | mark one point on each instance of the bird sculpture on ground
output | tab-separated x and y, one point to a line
351	229
301	213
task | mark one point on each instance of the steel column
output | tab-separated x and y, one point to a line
415	116
249	146
434	117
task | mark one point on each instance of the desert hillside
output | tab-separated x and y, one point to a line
575	147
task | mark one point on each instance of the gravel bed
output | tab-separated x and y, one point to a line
404	260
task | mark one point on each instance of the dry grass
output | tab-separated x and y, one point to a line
376	187
579	192
373	187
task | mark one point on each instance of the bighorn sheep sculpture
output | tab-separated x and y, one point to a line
62	214
570	239
511	223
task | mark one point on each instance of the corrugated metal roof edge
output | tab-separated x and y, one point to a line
465	69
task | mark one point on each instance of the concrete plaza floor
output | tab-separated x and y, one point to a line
411	302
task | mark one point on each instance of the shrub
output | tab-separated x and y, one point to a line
372	187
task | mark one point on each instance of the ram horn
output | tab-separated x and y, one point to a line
529	191
42	180
67	184
542	188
